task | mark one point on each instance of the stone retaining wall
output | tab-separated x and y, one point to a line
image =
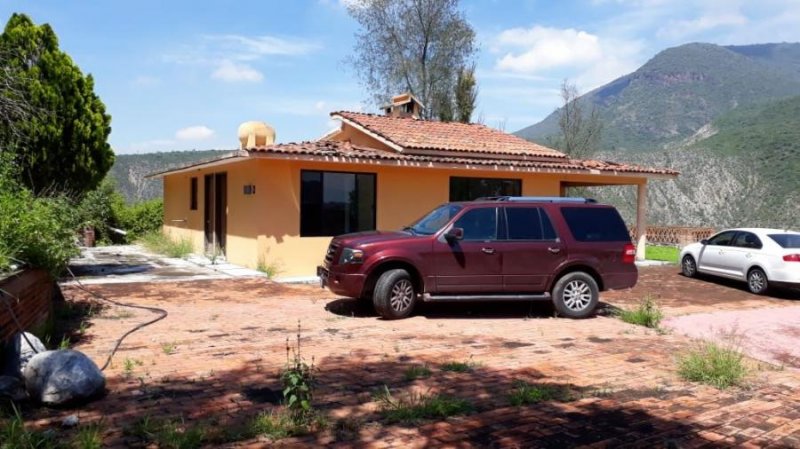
35	289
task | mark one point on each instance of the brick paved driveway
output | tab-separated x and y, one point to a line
214	362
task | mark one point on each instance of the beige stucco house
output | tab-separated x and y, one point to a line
278	205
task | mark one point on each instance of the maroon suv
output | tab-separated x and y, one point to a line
507	248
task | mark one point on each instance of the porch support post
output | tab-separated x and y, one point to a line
641	220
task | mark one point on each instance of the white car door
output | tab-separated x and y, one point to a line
738	258
713	255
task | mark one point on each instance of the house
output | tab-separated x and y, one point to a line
277	205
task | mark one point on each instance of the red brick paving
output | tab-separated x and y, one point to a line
229	341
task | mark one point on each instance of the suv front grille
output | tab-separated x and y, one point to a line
331	252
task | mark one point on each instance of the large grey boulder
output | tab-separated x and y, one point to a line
63	377
19	352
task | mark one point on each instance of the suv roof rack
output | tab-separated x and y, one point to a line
539	199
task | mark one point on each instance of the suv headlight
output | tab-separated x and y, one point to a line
350	255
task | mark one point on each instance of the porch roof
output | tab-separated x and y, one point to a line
346	152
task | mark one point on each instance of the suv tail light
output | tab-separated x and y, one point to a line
629	254
791	258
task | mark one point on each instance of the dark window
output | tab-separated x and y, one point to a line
786	240
722	239
193	194
747	240
334	203
434	220
468	189
479	224
595	224
528	223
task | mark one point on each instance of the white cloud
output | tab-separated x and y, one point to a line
248	48
542	48
198	132
230	71
680	29
146	81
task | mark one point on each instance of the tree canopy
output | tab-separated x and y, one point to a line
60	138
417	46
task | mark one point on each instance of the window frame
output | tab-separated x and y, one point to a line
499	224
518	181
730	243
193	186
542	216
744	233
355	173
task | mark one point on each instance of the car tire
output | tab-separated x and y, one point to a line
689	266
575	295
757	281
394	295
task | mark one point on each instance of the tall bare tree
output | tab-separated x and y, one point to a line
466	94
411	45
580	129
14	106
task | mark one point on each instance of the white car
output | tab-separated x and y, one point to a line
761	257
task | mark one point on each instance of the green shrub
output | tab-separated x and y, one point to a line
647	314
141	218
104	208
39	231
713	364
298	383
161	243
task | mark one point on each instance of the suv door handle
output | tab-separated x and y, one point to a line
488	250
554	250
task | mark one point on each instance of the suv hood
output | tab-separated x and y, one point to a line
370	237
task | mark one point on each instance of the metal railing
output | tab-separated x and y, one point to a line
674	235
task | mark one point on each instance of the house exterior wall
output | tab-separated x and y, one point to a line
265	228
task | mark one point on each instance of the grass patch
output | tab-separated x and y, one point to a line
168	348
13	434
414	372
526	394
647	314
417	407
460	367
168	434
713	364
161	243
89	437
662	253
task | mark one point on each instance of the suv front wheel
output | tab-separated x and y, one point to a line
394	295
576	295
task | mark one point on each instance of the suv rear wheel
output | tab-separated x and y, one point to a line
394	295
576	295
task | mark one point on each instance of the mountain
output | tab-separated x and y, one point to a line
683	89
129	171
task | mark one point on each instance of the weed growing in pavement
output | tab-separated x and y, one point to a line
415	372
346	429
173	434
460	367
647	314
526	394
721	366
160	243
298	383
89	437
168	348
65	343
415	407
128	366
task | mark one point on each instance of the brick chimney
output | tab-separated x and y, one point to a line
404	105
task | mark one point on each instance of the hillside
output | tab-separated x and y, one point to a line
129	171
682	89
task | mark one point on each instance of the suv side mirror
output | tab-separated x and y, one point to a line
454	234
704	242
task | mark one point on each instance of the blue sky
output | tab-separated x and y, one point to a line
179	75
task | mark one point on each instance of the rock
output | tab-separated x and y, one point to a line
11	387
19	352
70	421
63	377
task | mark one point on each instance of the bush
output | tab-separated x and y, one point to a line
39	231
105	208
713	364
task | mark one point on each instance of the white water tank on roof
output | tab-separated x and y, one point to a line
255	134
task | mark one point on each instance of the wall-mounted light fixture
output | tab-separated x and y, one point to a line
250	189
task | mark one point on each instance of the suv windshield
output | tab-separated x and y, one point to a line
786	240
429	224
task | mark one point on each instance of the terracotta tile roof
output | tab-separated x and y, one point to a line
413	134
339	149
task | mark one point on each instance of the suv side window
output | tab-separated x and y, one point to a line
747	240
595	224
722	239
528	223
479	224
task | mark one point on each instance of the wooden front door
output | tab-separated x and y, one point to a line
216	211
